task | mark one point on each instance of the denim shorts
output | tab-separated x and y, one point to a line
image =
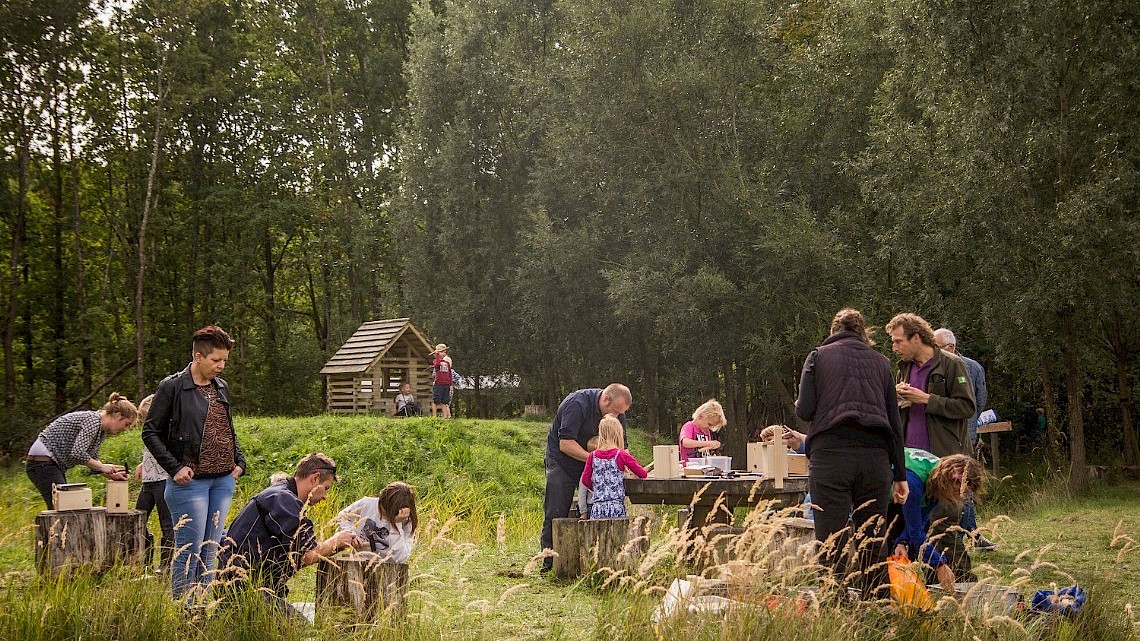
441	394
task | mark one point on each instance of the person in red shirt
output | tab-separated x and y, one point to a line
443	382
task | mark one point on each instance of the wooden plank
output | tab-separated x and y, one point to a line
1000	426
737	491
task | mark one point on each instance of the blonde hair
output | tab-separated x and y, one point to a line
144	407
121	405
711	409
941	486
610	434
592	444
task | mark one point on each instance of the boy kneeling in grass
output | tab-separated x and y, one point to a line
272	538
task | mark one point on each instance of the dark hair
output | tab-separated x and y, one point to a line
316	462
210	338
851	320
396	496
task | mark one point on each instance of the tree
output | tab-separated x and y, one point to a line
985	148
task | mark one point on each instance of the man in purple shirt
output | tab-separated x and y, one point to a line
936	398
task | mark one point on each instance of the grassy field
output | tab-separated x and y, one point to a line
481	485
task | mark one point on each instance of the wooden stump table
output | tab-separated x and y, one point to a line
568	563
71	540
703	494
372	588
126	539
618	544
777	545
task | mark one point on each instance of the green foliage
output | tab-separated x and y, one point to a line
674	195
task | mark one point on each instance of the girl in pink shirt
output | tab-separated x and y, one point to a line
696	435
603	473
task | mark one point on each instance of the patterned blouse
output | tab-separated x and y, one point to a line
74	438
217	455
151	470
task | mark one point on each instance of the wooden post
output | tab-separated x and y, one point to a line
776	458
699	516
126	539
568	563
994	451
618	544
716	545
71	540
371	587
992	429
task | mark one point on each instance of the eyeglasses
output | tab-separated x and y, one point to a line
327	468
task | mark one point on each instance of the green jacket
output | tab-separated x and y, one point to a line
951	403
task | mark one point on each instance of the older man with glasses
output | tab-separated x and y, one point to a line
272	538
945	340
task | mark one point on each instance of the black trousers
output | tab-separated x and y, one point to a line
409	409
850	487
44	474
151	497
560	490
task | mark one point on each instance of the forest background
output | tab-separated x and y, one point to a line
673	194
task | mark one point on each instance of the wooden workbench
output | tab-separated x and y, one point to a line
737	492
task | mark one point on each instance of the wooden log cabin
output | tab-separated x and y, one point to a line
365	374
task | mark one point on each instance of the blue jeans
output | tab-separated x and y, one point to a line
969	521
199	511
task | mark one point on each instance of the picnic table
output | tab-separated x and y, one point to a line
740	491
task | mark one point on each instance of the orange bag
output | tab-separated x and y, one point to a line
907	589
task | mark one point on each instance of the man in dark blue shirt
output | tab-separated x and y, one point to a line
272	538
575	423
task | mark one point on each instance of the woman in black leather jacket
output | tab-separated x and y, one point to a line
190	432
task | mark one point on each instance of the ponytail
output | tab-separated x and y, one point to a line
121	405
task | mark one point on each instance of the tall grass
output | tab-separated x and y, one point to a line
472	573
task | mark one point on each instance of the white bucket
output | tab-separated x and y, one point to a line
722	462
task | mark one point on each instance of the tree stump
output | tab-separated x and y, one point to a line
780	545
618	544
568	563
792	545
126	539
369	586
71	540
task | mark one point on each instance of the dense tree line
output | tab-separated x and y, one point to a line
677	195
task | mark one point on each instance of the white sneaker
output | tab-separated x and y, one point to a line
983	544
